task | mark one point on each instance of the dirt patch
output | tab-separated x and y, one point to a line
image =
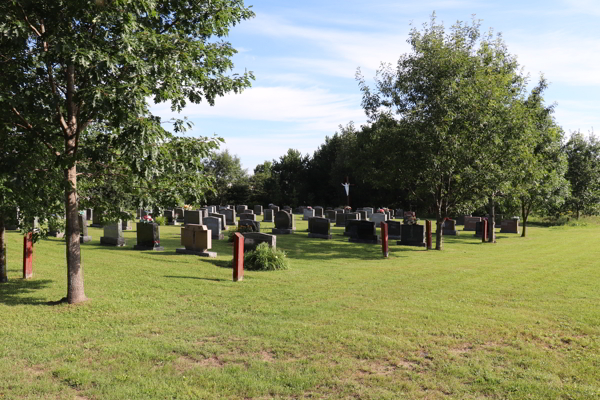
184	363
267	356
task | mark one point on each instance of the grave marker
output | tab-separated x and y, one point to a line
113	234
238	257
197	240
214	224
412	235
384	239
319	228
28	255
148	237
284	223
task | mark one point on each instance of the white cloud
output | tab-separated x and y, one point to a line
560	55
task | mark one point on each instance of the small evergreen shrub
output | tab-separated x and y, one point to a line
265	258
162	221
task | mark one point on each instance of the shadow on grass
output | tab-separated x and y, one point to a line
11	292
196	277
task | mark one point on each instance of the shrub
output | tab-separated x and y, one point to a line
265	258
161	220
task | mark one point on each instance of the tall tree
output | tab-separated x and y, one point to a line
68	64
457	97
583	155
231	180
288	174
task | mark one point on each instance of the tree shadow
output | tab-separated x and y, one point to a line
196	277
11	292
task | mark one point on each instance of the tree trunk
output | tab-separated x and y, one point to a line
439	237
75	293
3	274
492	222
524	214
578	213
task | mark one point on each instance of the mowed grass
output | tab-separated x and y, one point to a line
519	319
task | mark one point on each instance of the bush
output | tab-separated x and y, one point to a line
265	258
162	221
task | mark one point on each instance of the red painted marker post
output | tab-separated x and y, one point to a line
384	239
238	257
428	234
484	230
28	255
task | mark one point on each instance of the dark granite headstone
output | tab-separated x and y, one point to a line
274	208
510	225
394	230
230	216
113	234
241	209
89	214
247	215
258	210
192	217
449	227
470	223
284	223
362	231
412	235
340	219
97	222
214	224
330	214
171	217
268	215
319	211
179	212
204	212
148	237
250	224
253	239
319	228
363	214
221	218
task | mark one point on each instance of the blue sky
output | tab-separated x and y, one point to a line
305	54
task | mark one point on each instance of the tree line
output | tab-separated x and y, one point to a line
453	129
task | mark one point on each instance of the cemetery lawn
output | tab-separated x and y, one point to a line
516	320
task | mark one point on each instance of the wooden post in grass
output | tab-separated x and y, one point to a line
384	239
28	255
428	234
238	257
484	230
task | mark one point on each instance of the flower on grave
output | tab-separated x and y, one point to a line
82	212
380	211
347	208
157	243
187	207
146	219
309	208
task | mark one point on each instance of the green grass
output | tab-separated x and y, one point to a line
516	320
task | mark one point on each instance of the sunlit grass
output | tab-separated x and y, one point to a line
513	320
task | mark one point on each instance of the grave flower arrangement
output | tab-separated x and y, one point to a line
187	207
146	219
347	208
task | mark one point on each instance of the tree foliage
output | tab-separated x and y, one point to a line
69	64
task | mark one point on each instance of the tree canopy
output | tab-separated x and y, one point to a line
71	64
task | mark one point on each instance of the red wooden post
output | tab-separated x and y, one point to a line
484	230
238	257
28	255
384	239
428	234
